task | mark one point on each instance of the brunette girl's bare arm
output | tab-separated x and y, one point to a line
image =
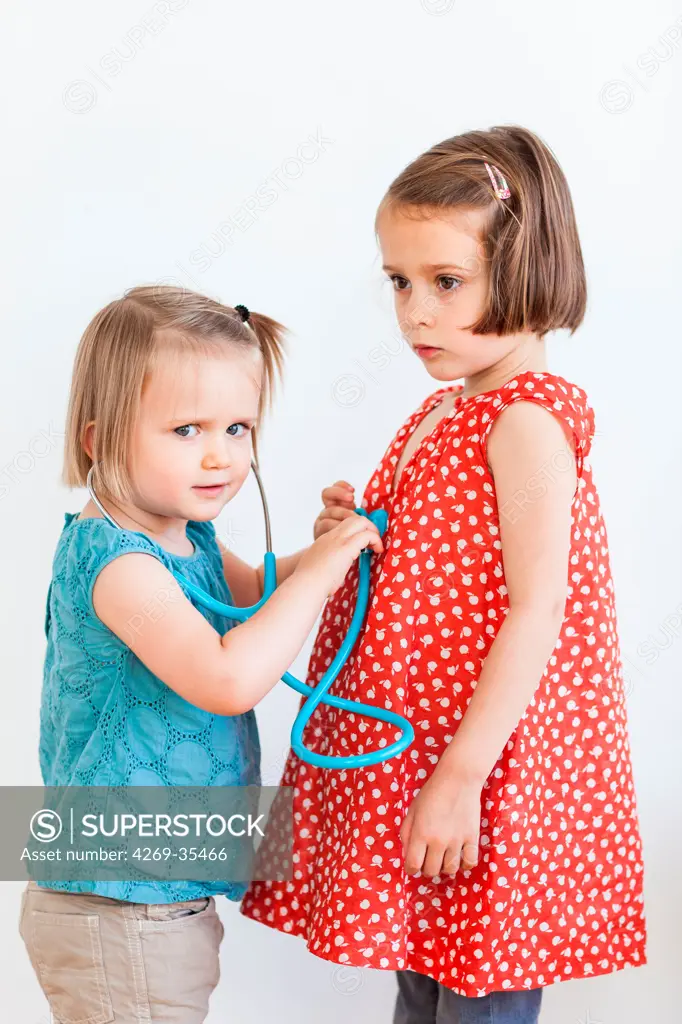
536	540
441	831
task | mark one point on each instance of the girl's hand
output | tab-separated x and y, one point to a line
440	834
339	503
333	553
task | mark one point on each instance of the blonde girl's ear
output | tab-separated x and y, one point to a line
88	440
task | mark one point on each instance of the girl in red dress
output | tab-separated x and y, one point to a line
500	853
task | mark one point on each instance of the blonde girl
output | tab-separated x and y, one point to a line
141	687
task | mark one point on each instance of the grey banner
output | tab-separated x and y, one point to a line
146	833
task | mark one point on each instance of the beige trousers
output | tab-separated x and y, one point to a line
99	960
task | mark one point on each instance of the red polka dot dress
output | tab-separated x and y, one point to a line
557	892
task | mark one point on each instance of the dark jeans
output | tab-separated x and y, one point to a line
422	1000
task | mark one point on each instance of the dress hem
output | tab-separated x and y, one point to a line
469	991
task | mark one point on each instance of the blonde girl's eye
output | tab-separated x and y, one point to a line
233	429
400	284
448	283
187	426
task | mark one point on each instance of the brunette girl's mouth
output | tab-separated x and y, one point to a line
426	351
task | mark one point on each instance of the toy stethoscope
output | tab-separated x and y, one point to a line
318	694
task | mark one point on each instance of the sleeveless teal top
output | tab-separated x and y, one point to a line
106	720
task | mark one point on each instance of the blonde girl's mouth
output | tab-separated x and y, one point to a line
210	490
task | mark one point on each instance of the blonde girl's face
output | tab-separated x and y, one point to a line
440	282
191	445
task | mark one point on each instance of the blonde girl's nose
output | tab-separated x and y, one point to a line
217	452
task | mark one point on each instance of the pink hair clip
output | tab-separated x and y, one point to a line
501	188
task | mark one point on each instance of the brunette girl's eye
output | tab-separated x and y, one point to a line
187	426
399	283
448	283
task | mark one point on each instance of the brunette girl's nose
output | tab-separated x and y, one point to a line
421	313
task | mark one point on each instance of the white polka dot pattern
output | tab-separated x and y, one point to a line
557	893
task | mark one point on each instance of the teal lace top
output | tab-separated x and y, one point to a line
106	720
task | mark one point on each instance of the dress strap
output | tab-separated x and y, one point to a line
562	399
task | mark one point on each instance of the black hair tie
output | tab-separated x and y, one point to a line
243	312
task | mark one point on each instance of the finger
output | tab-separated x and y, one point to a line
336	514
342	486
451	860
359	532
375	543
368	539
327	520
414	856
364	522
354	525
406	828
433	862
323	526
336	497
469	856
338	494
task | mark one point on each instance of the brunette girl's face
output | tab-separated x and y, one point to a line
440	279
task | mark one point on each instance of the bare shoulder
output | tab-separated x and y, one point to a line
532	457
526	430
89	511
127	583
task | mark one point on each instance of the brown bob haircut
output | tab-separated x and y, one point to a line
530	243
120	348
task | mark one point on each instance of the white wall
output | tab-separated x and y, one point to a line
118	172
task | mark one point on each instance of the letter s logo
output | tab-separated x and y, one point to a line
46	826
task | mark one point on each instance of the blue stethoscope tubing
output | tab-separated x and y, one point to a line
316	695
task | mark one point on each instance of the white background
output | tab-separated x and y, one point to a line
126	149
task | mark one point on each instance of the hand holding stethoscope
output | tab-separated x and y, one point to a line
318	694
